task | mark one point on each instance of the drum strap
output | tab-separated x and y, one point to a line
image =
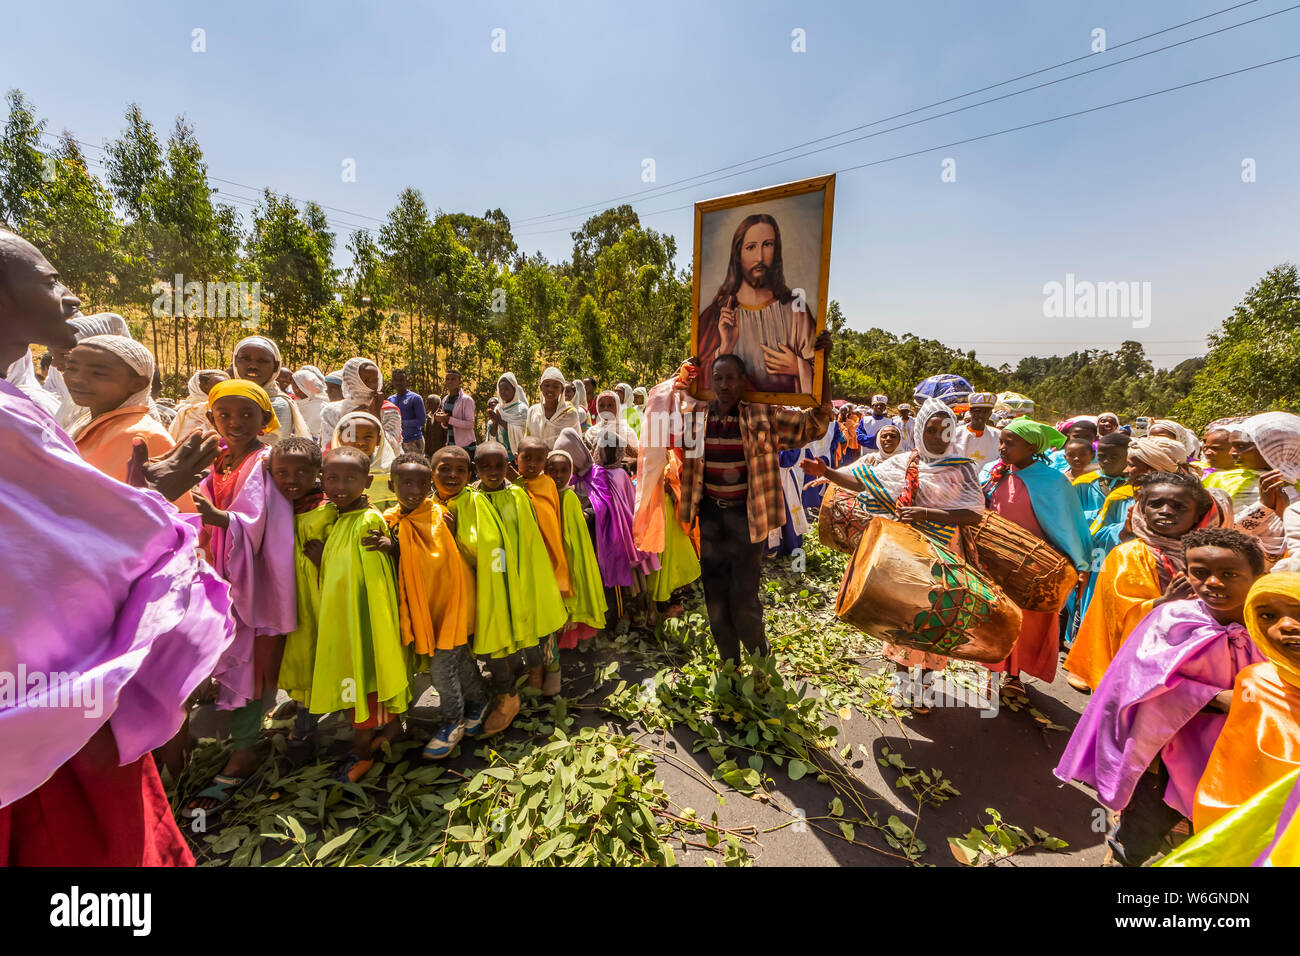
911	481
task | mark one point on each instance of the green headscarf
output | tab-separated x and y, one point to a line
1042	436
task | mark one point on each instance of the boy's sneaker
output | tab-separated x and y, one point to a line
444	741
474	715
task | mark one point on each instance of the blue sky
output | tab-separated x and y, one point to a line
584	92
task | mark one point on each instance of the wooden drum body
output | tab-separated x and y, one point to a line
903	588
1034	575
841	519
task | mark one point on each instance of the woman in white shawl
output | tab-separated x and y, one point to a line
508	419
929	488
22	376
310	384
363	385
1168	428
246	364
576	393
192	413
553	414
1274	519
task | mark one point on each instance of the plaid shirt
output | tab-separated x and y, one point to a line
765	429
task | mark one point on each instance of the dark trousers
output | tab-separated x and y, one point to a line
1145	822
729	569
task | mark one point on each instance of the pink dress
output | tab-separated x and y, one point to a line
1036	650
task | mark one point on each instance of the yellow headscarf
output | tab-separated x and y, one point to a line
242	388
1287	584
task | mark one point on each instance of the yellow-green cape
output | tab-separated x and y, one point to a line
480	535
1241	836
678	564
359	647
300	646
536	608
587	605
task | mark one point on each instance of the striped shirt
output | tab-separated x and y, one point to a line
726	475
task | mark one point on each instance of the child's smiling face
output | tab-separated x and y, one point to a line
532	460
99	380
361	435
491	469
411	482
255	364
345	480
238	420
294	473
450	476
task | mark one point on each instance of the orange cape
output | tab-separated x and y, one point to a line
435	587
546	504
106	443
1127	589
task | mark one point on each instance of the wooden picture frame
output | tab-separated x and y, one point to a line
732	212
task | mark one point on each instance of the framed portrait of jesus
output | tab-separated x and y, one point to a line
761	268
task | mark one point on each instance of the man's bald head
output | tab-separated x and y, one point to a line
34	304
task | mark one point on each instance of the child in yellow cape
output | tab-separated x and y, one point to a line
435	601
360	663
1260	741
545	499
586	606
536	607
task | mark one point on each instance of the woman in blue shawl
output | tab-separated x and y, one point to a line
1023	488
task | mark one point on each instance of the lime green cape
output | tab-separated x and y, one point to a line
678	564
1240	837
480	534
300	647
587	606
536	608
359	647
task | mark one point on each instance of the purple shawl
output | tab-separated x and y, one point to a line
1149	702
108	616
255	554
612	500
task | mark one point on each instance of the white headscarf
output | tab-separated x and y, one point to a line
298	426
1184	437
383	454
514	413
357	395
930	409
310	383
607	432
192	413
1277	436
22	375
580	401
137	358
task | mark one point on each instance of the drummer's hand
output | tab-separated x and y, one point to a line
813	466
911	515
817	483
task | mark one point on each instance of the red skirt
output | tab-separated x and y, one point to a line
93	812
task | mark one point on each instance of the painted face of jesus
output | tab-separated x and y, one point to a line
757	250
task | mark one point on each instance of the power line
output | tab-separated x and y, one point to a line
886	119
1001	132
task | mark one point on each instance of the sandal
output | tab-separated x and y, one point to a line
223	789
353	769
282	716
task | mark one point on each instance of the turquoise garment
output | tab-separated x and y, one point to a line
1056	459
1056	506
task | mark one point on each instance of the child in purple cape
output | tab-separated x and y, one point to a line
1164	698
248	536
623	567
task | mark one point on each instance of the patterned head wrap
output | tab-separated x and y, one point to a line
1277	436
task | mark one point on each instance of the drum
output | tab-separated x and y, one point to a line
903	588
1033	573
841	519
